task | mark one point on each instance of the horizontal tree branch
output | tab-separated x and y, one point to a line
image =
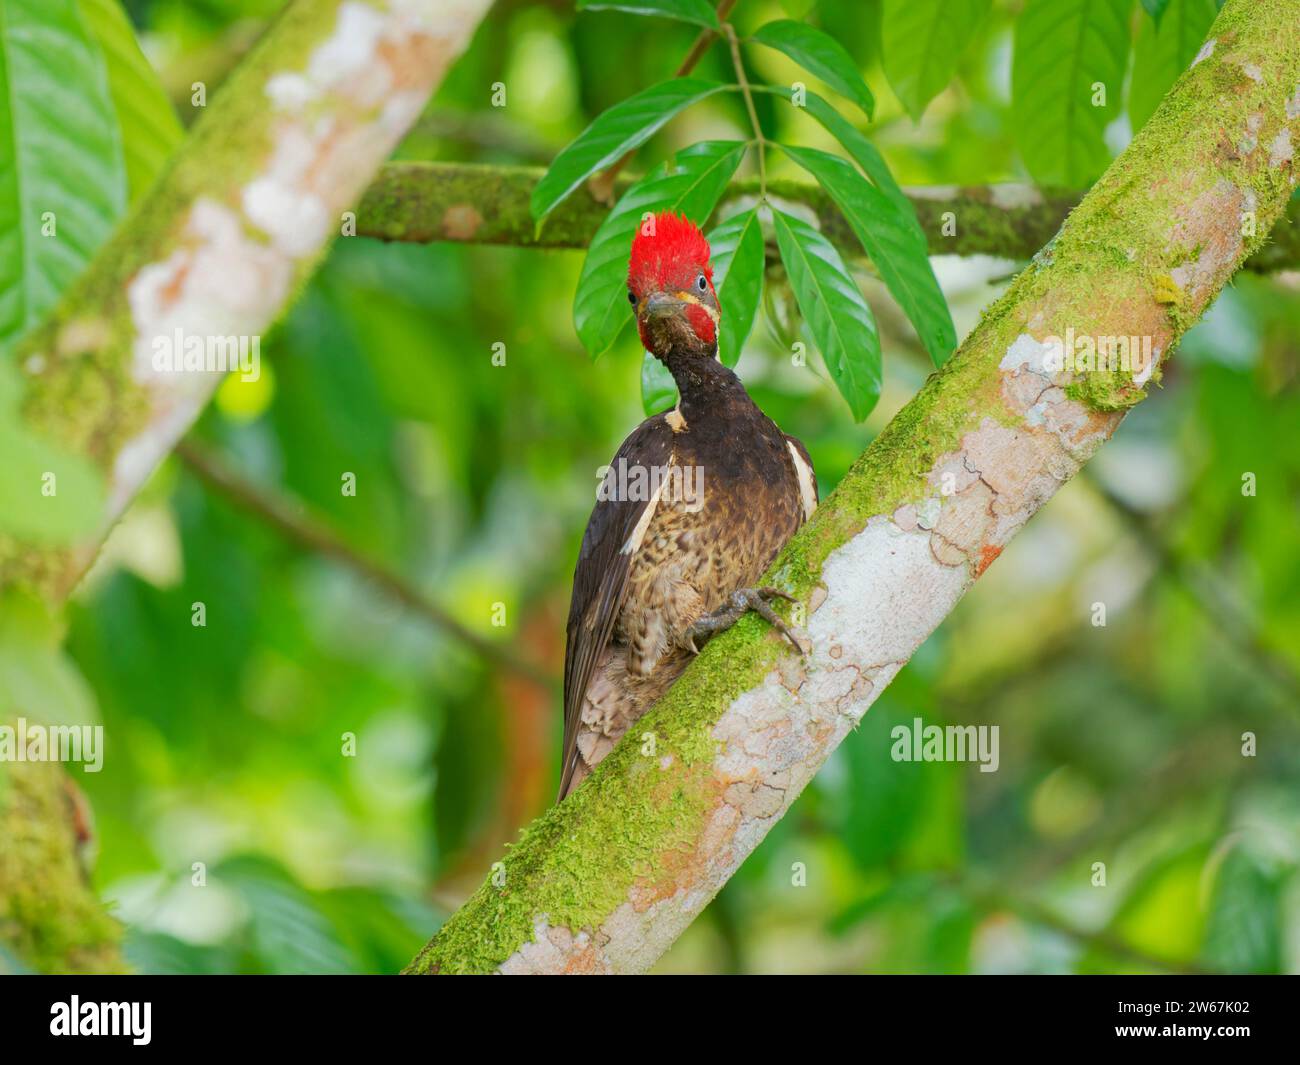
489	204
606	880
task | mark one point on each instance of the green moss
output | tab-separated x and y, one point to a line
1120	260
50	918
633	819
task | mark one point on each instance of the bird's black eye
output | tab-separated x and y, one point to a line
631	297
704	285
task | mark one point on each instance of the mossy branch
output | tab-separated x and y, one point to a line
475	203
606	881
50	918
223	242
217	249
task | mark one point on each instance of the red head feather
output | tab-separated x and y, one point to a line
668	250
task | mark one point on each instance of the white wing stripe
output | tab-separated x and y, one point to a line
633	543
807	487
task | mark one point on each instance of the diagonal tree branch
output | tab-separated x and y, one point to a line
488	204
217	249
221	244
607	880
292	522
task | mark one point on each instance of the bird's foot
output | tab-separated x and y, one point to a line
756	599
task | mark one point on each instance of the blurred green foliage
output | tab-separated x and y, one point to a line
235	832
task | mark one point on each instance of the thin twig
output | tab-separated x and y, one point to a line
291	521
602	185
734	43
1225	614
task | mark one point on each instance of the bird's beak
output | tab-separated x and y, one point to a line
660	305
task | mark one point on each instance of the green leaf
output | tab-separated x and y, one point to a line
1063	48
289	932
692	186
38	680
896	246
864	153
1156	9
658	389
739	256
383	928
819	54
922	41
614	132
880	801
160	954
950	927
1165	51
838	317
469	776
147	124
1244	933
696	11
62	171
1162	914
856	143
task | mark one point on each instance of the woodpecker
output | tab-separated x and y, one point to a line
695	506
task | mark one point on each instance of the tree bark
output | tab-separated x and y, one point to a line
607	880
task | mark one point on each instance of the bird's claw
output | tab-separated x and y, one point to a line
755	599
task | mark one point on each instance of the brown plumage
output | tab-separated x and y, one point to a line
663	565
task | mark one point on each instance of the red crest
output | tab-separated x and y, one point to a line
668	254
